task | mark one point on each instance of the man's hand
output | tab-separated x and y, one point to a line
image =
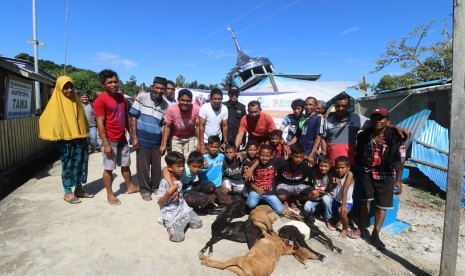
108	150
162	150
135	143
397	184
311	160
343	210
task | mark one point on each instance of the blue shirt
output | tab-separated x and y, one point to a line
214	172
187	177
308	132
149	113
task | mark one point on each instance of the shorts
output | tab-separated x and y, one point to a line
293	190
335	208
236	188
121	155
378	190
195	199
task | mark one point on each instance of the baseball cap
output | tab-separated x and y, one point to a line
381	111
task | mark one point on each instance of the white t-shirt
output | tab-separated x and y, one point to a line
213	120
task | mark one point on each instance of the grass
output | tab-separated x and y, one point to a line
431	198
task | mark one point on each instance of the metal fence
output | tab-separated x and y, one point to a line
19	140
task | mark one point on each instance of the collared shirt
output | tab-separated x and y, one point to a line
235	113
149	113
293	123
375	153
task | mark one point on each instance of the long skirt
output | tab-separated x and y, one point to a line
74	155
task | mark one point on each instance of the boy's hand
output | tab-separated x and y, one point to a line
205	164
336	180
259	190
224	190
175	195
108	150
239	156
173	189
248	175
397	184
343	211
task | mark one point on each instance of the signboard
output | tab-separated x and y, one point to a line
18	98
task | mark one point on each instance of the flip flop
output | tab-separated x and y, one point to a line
113	204
85	195
73	200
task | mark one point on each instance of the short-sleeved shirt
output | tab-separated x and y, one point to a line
113	108
172	210
258	130
235	113
246	163
214	172
264	175
213	120
169	101
149	113
182	122
286	175
308	132
233	171
342	136
187	178
90	114
293	123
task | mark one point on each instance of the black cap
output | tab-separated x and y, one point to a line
160	80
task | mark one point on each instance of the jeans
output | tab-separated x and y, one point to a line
92	138
326	200
272	200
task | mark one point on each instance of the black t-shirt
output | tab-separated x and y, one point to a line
235	113
287	175
233	171
264	175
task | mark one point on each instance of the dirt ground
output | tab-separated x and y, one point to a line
41	234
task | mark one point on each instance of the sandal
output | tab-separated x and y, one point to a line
113	203
73	200
353	235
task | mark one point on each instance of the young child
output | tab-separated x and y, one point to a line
251	155
195	193
322	182
292	120
342	203
291	176
175	212
276	142
213	169
232	172
263	184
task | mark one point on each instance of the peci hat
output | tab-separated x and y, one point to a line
121	90
160	80
234	90
381	111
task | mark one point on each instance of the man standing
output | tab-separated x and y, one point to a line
308	132
112	121
236	111
213	120
147	114
379	152
168	96
258	125
92	136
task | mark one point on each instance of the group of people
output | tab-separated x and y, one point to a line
313	169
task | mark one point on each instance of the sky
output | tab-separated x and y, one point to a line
341	40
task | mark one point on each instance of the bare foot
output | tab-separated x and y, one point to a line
343	233
132	189
112	200
330	226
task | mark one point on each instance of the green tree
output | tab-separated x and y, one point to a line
425	62
86	81
180	81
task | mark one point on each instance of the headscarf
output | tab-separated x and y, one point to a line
63	118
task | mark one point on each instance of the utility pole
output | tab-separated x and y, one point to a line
456	147
36	44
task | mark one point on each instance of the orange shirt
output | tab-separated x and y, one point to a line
258	130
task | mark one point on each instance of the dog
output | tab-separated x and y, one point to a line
263	216
238	231
291	234
260	260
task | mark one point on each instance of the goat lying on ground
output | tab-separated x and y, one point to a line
236	209
263	216
260	260
315	232
292	234
238	231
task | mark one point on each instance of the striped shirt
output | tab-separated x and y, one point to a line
149	113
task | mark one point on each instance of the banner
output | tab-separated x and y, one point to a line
18	98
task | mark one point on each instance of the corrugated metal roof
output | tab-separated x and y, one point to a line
418	85
430	153
414	124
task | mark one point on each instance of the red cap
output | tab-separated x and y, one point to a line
381	111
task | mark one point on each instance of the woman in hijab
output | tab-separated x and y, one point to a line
64	121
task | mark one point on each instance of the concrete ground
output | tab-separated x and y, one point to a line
42	234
